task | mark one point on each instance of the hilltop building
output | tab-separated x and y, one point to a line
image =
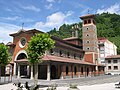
70	58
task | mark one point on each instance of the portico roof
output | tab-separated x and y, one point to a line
65	60
58	59
21	61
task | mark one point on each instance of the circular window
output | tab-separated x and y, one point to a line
22	42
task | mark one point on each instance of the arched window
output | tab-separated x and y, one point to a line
85	21
89	21
21	56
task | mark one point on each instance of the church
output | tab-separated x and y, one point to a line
70	58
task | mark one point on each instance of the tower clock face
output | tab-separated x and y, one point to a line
22	42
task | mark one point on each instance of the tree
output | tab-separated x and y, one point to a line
36	49
4	56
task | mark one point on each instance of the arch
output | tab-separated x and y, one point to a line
15	65
89	21
82	70
53	72
75	70
21	56
20	52
66	70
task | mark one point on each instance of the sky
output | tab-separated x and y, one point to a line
45	15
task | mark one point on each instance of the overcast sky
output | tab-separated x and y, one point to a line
45	15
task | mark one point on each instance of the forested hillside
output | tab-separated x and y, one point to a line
108	25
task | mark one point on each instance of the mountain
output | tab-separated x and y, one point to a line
107	26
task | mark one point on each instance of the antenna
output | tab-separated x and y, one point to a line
22	25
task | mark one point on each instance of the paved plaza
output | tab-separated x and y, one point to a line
79	81
105	82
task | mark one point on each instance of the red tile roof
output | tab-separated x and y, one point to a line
87	16
24	31
58	59
65	60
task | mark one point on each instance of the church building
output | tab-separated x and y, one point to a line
70	58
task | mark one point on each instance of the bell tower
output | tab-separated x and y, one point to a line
89	38
89	33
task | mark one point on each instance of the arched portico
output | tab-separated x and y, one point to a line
21	69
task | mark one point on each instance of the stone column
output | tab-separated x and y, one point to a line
97	73
14	69
70	71
48	72
79	70
90	72
28	70
62	73
31	76
84	71
18	71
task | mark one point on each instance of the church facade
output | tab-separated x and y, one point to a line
71	57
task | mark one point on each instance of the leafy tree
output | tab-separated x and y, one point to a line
36	49
4	55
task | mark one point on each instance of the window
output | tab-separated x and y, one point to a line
109	61
74	56
75	70
87	28
88	48
22	42
115	67
115	61
101	48
51	52
80	57
66	70
109	67
88	41
61	54
87	35
89	21
85	21
68	54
